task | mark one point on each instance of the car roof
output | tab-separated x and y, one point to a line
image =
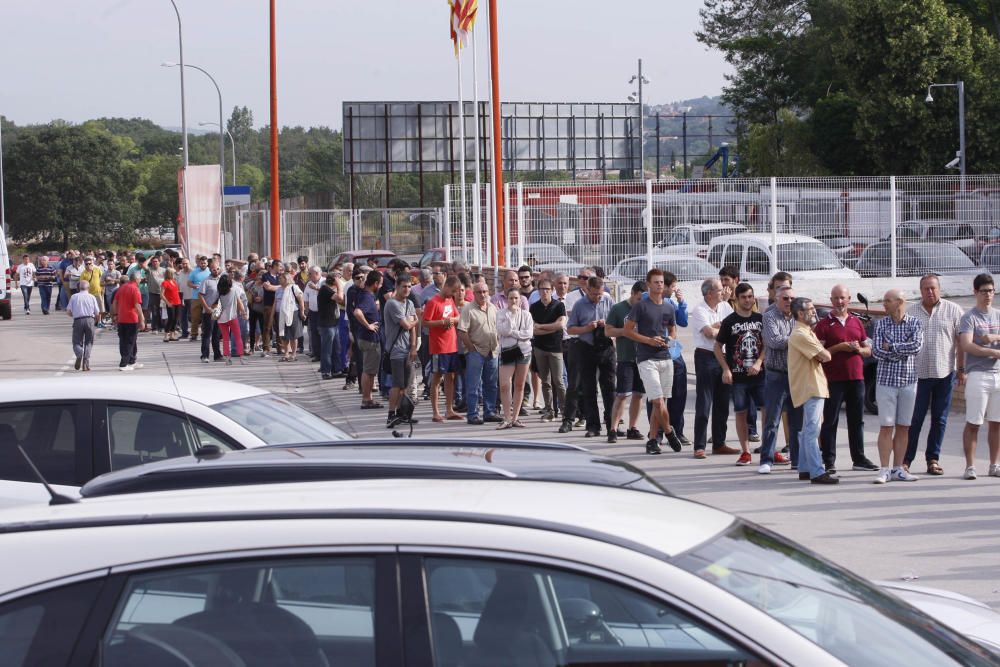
712	225
654	524
782	239
143	388
382	459
373	252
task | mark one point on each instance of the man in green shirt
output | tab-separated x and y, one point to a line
628	383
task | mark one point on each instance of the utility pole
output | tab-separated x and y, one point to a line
632	98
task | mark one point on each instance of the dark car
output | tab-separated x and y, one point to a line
914	258
360	257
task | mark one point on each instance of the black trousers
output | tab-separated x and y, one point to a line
571	358
210	331
155	318
851	392
597	367
256	320
711	398
127	347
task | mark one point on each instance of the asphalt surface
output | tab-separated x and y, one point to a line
939	532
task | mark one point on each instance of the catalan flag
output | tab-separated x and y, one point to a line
462	18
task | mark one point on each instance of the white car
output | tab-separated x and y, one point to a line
802	256
548	257
75	429
685	267
695	238
465	564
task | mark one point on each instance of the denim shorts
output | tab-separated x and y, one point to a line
744	391
627	380
444	363
895	404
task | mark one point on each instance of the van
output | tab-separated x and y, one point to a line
802	256
6	282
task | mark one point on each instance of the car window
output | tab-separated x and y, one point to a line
855	621
758	261
715	255
634	269
42	629
140	435
291	612
49	434
278	422
734	256
498	613
426	259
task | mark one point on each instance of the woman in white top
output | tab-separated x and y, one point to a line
231	309
291	311
516	329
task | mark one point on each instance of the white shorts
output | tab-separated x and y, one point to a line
982	397
895	404
657	377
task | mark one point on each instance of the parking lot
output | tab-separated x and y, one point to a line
938	532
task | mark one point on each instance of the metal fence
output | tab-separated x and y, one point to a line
831	227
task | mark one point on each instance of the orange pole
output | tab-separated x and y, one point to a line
275	190
497	144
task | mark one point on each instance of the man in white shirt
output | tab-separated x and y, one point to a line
84	310
26	279
311	293
711	393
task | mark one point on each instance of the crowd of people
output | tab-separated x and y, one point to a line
572	354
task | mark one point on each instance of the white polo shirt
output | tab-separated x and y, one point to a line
702	316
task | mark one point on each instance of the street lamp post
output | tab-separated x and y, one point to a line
222	141
232	145
642	147
184	134
960	85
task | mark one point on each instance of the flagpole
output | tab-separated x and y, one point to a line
477	208
461	158
496	173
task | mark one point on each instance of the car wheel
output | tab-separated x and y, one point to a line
871	405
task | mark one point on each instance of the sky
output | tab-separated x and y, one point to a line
76	60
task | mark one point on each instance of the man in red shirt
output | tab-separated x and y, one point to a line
845	338
126	311
440	317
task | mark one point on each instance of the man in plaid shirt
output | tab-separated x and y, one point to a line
896	341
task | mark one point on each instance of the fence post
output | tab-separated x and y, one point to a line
284	234
605	250
385	229
505	260
892	223
477	229
649	225
520	224
774	225
446	227
491	230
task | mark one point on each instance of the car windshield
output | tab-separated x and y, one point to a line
546	254
278	422
809	256
949	232
942	256
687	269
844	614
705	236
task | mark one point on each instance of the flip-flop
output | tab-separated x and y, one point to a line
454	418
371	406
437	419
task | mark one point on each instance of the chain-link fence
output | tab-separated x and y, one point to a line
318	235
816	228
468	212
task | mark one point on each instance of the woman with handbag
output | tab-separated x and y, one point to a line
291	308
516	328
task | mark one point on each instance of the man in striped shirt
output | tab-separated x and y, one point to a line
896	341
936	373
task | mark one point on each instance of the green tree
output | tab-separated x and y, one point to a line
72	184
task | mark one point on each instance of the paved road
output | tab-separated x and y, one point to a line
939	531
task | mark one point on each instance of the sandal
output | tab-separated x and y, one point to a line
933	468
374	405
517	424
437	420
504	426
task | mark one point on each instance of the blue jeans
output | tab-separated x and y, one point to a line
328	349
777	399
63	299
343	336
934	393
481	380
45	296
26	295
678	397
810	460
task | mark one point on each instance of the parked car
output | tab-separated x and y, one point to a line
914	258
962	234
6	280
465	563
77	429
360	257
684	267
802	256
842	247
695	238
990	259
547	257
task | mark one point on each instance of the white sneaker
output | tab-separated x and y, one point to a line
126	368
135	366
995	470
883	476
764	469
970	473
903	475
